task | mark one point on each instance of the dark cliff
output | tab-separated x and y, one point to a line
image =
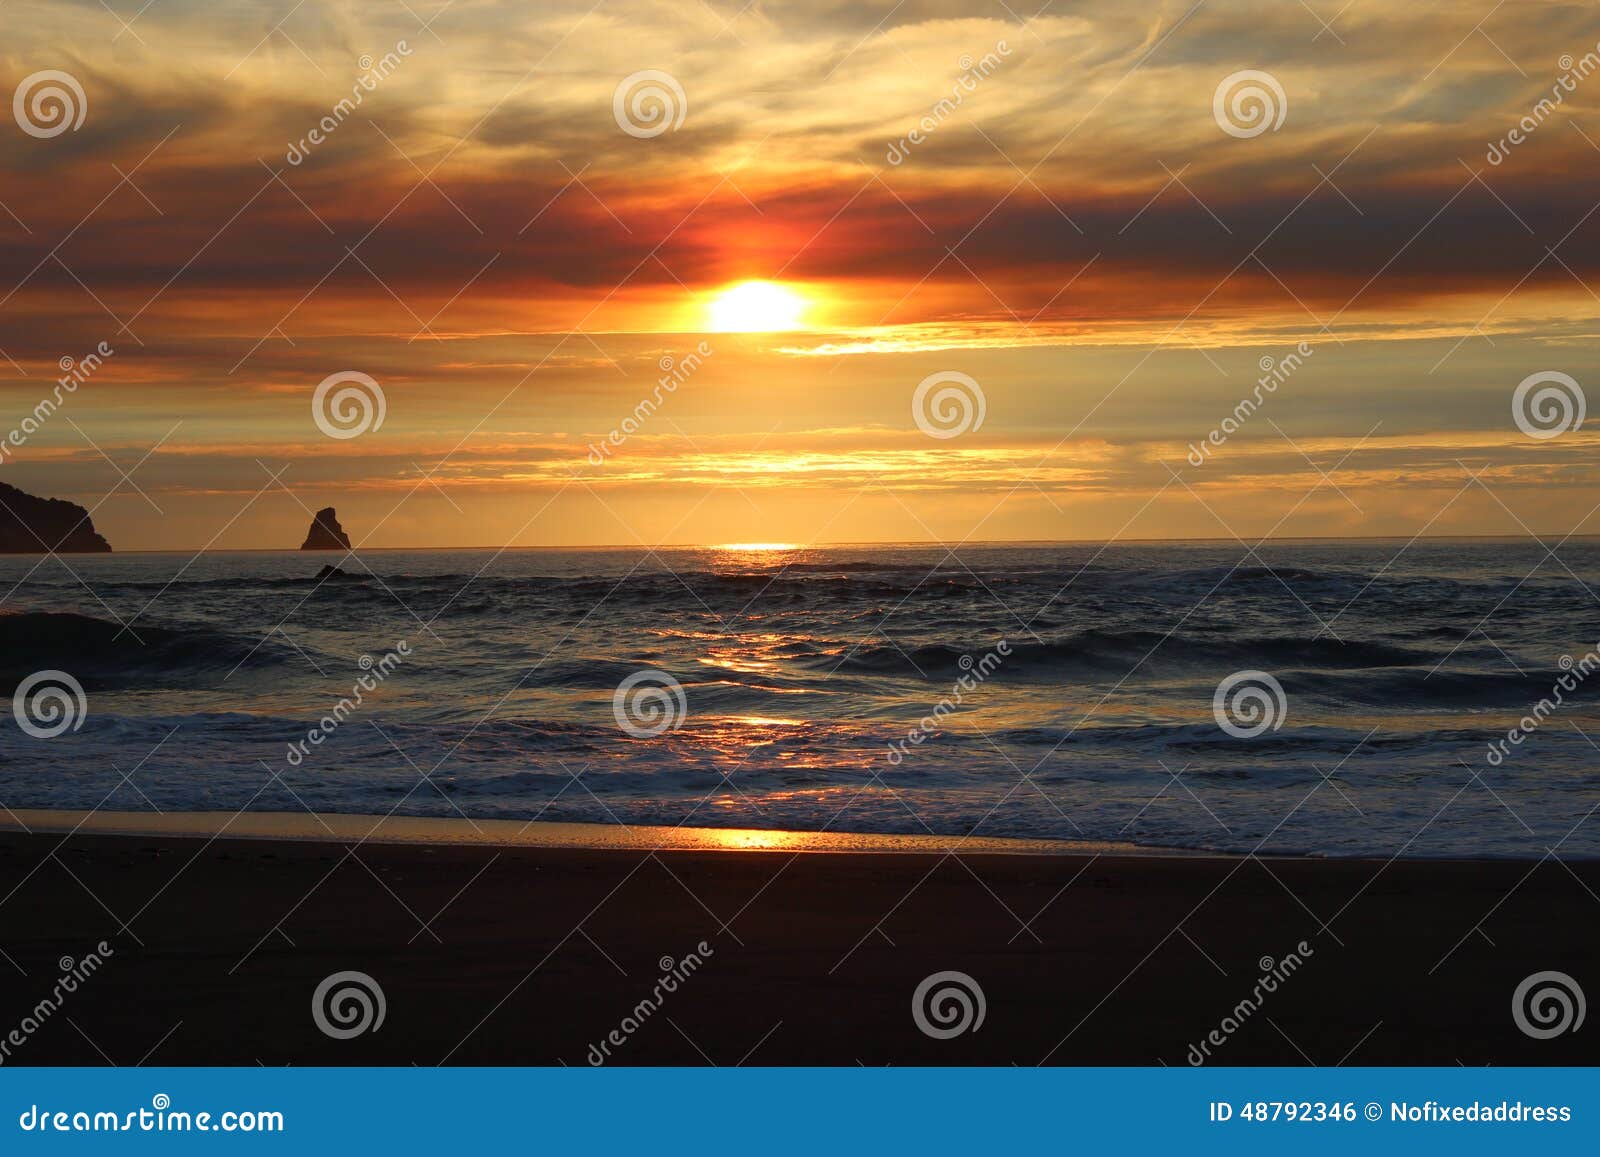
32	525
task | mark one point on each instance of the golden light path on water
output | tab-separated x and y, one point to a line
328	827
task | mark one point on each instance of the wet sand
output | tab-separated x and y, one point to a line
491	954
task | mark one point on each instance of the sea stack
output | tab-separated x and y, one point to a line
326	533
31	525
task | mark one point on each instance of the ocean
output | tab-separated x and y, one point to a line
1378	698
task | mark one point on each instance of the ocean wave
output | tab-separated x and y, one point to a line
104	653
1111	652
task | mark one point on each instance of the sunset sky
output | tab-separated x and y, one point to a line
1079	235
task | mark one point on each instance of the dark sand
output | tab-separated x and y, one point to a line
530	955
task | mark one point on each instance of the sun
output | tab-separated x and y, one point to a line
756	307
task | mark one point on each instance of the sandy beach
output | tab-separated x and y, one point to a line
492	953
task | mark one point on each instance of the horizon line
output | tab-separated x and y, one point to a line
791	547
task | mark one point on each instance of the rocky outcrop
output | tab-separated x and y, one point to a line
31	525
326	533
330	574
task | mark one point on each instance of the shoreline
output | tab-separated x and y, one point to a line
435	831
460	831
